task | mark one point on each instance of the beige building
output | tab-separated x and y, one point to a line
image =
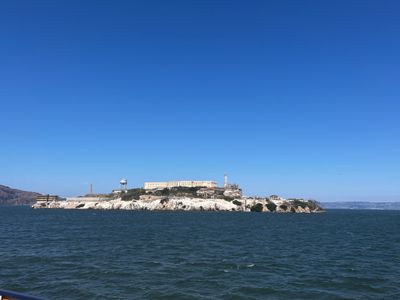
47	198
180	183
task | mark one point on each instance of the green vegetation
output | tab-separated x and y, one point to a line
314	205
165	192
271	206
227	198
133	194
236	202
298	202
192	192
189	192
311	204
257	207
177	192
284	207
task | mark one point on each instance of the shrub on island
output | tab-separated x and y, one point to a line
257	207
299	202
236	202
283	206
314	205
133	194
164	200
271	206
179	191
165	192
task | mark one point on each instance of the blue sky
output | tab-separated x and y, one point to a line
296	98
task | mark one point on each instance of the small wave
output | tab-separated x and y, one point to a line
250	265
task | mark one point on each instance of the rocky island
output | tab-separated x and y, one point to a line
182	198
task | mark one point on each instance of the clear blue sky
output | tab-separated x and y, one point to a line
296	98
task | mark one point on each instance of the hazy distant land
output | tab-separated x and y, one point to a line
362	205
10	196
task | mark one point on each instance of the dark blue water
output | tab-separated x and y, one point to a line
62	254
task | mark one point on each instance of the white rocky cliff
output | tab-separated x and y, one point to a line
189	204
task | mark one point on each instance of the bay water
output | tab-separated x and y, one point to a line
87	254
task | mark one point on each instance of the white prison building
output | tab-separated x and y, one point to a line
179	183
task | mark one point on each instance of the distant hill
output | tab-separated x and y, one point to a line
362	205
9	196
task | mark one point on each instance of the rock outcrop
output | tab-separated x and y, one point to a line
189	204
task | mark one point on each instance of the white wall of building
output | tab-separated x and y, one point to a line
179	183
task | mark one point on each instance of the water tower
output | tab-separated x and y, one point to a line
124	184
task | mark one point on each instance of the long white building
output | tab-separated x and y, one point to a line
179	183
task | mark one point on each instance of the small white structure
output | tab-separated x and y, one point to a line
124	184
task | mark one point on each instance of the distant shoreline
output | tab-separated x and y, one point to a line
362	205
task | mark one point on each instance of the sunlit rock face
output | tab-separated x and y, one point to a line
191	204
